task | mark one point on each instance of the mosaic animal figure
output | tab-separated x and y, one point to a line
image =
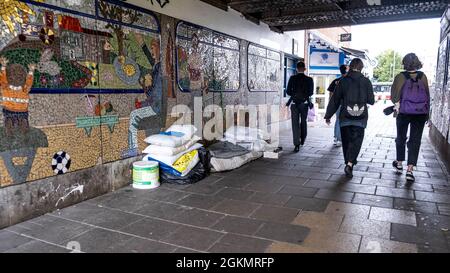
46	65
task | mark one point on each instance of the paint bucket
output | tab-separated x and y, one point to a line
146	175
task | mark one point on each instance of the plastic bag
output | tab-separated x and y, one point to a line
199	172
311	114
187	162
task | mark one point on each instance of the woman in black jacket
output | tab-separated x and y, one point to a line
353	94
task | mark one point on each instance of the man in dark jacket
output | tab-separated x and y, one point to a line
300	88
352	94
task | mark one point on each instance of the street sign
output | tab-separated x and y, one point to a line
346	37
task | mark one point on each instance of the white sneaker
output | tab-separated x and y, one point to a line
337	143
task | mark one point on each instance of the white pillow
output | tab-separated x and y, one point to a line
258	145
168	140
168	151
240	133
187	129
170	159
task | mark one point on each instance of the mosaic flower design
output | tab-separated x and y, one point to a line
127	70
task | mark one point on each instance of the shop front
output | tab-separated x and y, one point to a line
324	63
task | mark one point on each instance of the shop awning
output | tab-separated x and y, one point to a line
354	52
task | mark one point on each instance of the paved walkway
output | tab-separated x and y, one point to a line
300	203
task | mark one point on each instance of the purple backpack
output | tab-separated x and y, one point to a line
415	99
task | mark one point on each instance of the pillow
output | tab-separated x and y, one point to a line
258	145
187	129
168	139
240	133
169	160
163	150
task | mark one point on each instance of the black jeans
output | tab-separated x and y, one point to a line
416	123
352	139
299	113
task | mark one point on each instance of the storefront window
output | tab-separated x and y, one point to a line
290	70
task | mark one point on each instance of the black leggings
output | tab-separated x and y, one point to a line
416	123
352	139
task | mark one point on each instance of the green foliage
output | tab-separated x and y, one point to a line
135	51
114	44
384	72
26	56
217	84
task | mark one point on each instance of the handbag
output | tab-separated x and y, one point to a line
312	114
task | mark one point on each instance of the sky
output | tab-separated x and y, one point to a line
418	36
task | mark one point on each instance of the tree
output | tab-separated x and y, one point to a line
121	15
385	71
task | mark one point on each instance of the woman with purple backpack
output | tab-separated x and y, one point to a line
411	96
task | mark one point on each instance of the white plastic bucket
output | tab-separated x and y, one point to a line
146	175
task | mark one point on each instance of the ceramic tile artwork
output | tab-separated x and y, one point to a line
440	98
105	80
206	58
263	64
101	73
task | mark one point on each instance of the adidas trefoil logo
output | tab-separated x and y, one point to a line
356	111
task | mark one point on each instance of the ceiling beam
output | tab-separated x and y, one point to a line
279	13
253	17
264	5
338	7
276	29
402	10
362	21
223	5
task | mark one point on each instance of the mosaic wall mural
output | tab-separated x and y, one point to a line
264	69
79	78
439	115
206	59
83	82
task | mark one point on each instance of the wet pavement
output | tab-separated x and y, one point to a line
299	203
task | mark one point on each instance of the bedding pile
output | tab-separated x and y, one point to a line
179	155
239	146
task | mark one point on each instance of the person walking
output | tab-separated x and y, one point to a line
337	128
410	94
300	89
353	94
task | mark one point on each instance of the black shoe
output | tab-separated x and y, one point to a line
410	177
302	143
297	149
348	171
397	168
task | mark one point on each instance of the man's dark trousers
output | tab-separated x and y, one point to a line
299	113
352	140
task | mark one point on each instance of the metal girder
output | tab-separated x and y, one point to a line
249	6
283	15
221	4
368	20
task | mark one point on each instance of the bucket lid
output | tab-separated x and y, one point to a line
145	164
